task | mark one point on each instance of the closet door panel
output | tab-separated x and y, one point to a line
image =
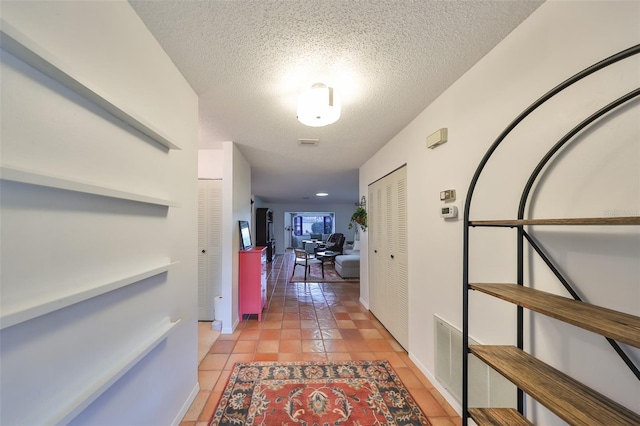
401	258
215	240
374	296
209	247
390	282
377	256
203	290
388	269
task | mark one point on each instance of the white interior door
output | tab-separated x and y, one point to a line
209	247
401	257
372	219
388	272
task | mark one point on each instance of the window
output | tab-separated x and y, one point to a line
312	224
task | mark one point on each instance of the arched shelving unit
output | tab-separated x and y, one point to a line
569	399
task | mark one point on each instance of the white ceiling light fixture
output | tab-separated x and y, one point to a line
319	106
321	194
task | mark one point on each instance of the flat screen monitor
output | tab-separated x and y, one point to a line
245	236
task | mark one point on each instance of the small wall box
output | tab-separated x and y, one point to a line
448	195
449	212
436	138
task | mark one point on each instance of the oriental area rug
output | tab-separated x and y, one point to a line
353	393
330	275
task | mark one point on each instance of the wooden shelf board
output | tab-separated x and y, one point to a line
17	174
13	315
572	401
106	380
616	325
498	416
20	45
626	220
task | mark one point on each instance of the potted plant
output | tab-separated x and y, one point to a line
360	218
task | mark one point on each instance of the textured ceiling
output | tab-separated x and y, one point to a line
249	60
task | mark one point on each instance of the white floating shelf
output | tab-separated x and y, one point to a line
20	45
16	174
105	381
34	308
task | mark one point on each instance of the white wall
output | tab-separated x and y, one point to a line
230	165
599	177
343	216
210	163
237	195
56	242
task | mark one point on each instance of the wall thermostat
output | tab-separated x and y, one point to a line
449	212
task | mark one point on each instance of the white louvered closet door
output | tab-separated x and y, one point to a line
401	257
388	256
375	289
209	246
388	263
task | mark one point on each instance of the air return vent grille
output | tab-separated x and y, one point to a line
486	387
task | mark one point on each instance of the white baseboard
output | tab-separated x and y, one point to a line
436	384
229	330
365	304
185	407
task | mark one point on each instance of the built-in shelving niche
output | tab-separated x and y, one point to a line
20	45
12	315
16	174
15	42
101	383
35	308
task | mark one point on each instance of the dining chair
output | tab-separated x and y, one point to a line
310	247
305	260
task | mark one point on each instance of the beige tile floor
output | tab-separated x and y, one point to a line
206	338
313	321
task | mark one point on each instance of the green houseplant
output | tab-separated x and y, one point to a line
359	217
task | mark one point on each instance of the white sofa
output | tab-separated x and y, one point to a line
348	263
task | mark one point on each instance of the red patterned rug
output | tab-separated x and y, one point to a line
330	275
353	393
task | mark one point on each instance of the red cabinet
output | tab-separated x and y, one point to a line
253	281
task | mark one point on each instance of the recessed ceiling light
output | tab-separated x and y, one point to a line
321	194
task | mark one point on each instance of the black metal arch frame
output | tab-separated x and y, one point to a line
522	234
